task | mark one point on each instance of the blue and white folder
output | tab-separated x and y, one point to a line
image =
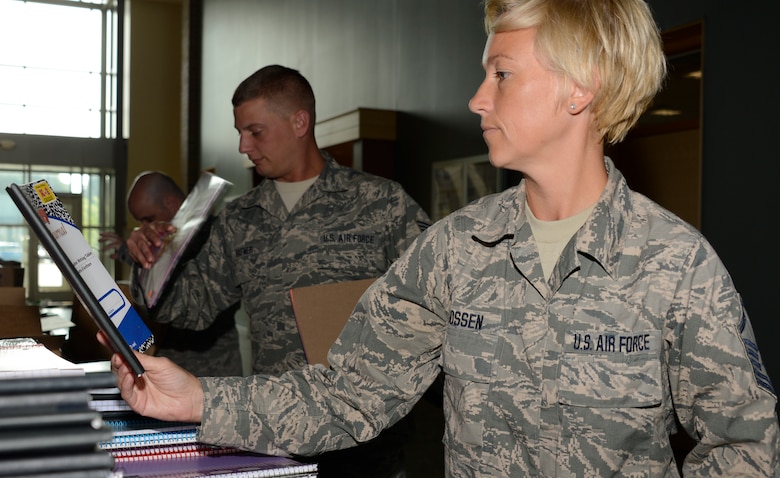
91	282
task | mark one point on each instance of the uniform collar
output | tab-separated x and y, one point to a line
600	238
264	195
603	234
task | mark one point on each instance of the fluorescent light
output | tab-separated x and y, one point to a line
696	75
665	112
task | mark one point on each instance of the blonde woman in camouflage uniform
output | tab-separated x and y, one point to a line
574	319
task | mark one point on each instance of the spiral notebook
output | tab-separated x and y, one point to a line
26	357
81	465
146	447
239	464
135	431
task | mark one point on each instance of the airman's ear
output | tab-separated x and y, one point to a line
171	204
300	122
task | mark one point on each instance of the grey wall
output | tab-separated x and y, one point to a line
422	58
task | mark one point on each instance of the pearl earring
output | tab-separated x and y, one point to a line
573	106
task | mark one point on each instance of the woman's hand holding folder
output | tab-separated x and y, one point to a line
165	391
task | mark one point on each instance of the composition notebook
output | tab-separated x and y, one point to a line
91	282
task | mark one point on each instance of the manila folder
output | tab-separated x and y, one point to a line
321	312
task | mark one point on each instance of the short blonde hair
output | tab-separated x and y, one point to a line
610	47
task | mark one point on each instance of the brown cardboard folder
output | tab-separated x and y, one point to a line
321	312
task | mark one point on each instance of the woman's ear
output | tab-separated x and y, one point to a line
579	99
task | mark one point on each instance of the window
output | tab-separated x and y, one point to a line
60	120
83	191
58	68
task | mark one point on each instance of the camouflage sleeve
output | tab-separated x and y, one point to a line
201	286
406	222
722	394
381	364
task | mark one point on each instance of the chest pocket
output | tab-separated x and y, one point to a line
468	355
627	374
361	250
468	358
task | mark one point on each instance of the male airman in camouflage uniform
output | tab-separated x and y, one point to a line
154	196
345	225
577	366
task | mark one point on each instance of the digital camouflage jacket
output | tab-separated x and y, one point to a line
348	225
579	375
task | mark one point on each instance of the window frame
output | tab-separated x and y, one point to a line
30	153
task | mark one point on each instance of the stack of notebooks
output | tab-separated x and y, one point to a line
57	420
47	428
145	447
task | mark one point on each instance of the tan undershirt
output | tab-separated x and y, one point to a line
292	192
552	236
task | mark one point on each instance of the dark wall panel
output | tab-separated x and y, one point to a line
740	158
421	59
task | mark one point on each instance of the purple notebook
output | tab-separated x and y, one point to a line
247	465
